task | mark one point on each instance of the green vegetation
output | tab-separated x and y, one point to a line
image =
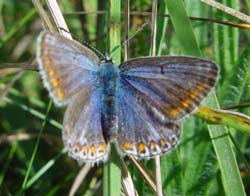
211	159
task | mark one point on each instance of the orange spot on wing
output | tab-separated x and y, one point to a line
193	94
141	147
51	72
127	146
54	82
92	150
102	147
200	87
185	103
197	91
174	112
162	142
59	94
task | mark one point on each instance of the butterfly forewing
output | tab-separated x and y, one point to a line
82	127
170	86
154	94
66	66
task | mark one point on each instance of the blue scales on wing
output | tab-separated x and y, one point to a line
140	134
66	66
155	93
82	127
69	72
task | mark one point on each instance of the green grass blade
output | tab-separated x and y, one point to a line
34	112
236	120
247	7
200	29
225	40
101	26
112	172
225	155
4	168
237	80
16	27
180	21
161	27
171	171
24	185
44	169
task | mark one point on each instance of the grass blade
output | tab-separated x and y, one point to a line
112	172
24	185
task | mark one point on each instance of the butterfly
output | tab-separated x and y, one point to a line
138	105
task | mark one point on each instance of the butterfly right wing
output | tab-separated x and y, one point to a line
141	134
82	127
155	93
171	87
66	66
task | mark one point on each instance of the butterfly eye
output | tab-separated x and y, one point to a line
107	59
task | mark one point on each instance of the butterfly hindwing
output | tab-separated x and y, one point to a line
66	66
140	133
173	86
82	127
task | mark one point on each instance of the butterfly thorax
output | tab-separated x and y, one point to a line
109	75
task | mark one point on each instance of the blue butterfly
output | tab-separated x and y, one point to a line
138	105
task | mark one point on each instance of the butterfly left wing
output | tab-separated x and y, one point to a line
154	94
82	127
66	66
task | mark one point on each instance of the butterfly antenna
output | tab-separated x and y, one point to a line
94	49
130	37
85	43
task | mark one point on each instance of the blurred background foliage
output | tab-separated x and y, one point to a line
192	169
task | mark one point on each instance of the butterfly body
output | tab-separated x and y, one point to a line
109	78
138	105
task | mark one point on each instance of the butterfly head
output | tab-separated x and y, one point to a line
107	59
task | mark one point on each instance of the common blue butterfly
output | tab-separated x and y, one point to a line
138	105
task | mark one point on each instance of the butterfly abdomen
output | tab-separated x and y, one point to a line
108	83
